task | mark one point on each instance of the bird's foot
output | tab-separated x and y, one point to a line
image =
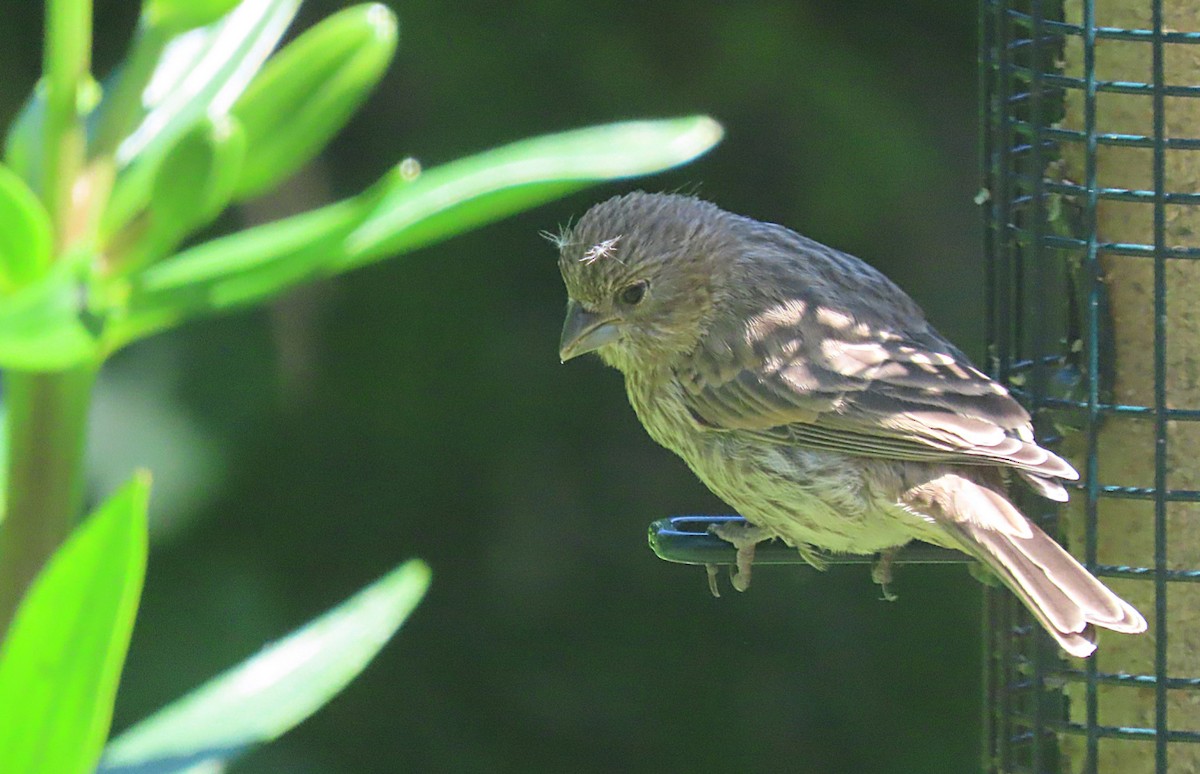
881	573
713	586
744	537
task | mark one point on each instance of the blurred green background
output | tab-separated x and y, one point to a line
417	408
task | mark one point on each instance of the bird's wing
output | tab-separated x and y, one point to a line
821	378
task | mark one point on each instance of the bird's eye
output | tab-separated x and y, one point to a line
632	295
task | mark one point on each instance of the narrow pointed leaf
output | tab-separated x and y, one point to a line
308	91
480	189
62	658
3	463
232	271
201	73
197	176
399	214
204	71
23	143
182	15
26	235
274	690
193	185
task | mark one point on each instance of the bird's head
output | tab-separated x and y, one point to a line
640	270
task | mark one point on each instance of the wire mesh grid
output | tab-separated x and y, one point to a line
1045	94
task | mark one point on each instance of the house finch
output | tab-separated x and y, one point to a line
808	391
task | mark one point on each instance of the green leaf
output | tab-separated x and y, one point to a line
3	462
26	235
182	15
46	326
308	91
196	179
193	185
480	189
23	144
274	690
61	661
204	71
200	73
398	214
231	271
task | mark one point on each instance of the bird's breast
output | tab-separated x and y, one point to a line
660	404
806	497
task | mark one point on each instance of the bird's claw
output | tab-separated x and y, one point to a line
739	574
712	570
881	573
744	537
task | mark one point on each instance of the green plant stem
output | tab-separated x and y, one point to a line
47	419
47	412
66	66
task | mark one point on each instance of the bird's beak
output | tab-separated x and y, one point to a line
584	332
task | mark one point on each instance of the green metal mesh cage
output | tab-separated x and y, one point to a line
1091	154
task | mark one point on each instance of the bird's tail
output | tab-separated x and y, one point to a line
1067	600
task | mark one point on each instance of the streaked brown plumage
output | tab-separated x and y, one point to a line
808	391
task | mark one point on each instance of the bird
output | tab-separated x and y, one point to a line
810	393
